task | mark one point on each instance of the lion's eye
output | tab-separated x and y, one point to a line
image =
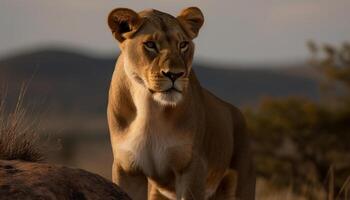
150	45
183	46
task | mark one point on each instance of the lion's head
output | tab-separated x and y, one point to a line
157	49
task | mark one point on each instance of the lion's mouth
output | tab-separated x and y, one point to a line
172	89
167	91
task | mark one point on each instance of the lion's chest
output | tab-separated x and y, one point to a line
154	147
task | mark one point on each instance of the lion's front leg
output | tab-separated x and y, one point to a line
227	187
190	184
154	194
134	185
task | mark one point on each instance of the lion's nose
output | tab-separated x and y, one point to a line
173	76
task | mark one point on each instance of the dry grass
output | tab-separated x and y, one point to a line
265	191
268	191
343	193
18	136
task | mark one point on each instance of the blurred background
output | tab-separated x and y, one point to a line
286	64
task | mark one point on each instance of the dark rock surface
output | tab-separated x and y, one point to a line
26	180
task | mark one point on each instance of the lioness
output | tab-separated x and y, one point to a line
171	138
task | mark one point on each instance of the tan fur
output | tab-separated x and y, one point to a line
177	144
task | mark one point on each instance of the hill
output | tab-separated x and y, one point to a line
70	80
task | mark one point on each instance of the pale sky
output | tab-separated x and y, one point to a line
235	31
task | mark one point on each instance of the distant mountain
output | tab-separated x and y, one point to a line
79	83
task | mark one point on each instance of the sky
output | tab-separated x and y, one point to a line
235	31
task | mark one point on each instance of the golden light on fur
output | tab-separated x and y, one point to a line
171	138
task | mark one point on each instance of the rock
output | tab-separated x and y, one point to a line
29	180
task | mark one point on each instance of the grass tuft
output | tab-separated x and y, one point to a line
19	139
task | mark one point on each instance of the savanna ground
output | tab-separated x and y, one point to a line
302	146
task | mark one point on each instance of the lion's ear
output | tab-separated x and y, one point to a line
191	20
123	22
